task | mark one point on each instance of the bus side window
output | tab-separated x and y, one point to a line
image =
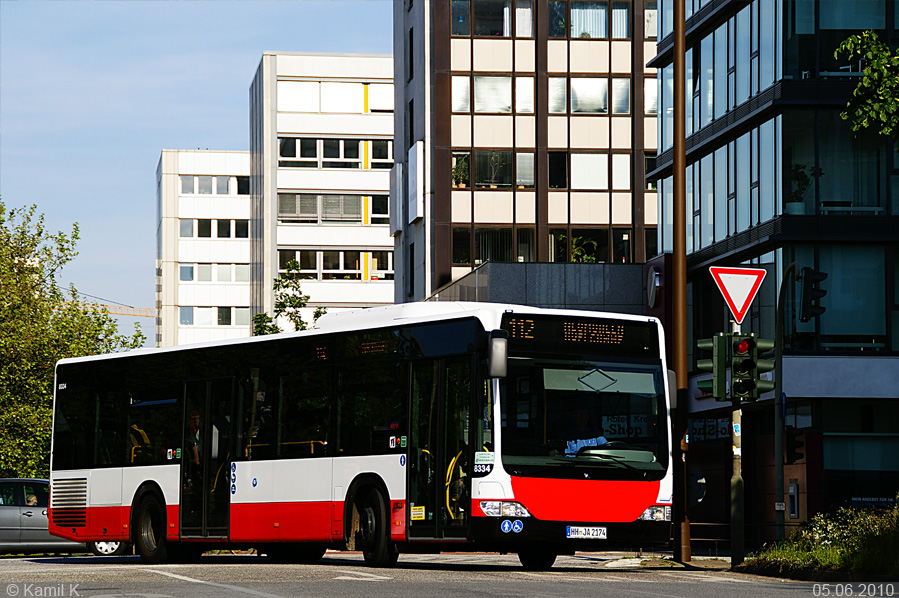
305	413
258	418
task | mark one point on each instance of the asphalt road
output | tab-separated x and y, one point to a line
344	575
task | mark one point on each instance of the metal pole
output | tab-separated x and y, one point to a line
737	528
737	542
682	521
779	506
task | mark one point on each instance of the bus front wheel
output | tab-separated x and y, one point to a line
536	559
149	538
374	526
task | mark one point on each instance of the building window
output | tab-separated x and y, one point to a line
589	245
187	185
558	245
621	245
204	228
589	95
492	18
186	272
558	18
186	316
382	153
558	93
460	24
186	227
205	185
223	185
204	272
380	209
241	272
223	229
650	97
650	20
524	95
242	316
223	272
524	170
557	171
493	169
650	162
589	171
224	316
621	20
492	244
493	94
461	94
382	265
524	18
461	170
462	246
526	246
242	229
319	209
621	171
589	19
243	185
341	153
621	96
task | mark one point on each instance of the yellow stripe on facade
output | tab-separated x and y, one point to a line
365	98
366	259
366	210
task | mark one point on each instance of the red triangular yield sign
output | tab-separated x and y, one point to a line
739	287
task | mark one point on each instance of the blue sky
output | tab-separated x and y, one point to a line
90	92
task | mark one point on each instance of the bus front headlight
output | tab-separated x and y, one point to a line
657	513
502	508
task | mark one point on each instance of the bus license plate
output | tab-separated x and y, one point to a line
595	533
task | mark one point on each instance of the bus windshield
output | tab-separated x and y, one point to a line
562	416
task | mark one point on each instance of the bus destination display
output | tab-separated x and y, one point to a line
593	335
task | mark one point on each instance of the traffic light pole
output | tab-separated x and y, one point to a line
737	533
779	505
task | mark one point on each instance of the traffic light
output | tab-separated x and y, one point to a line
717	386
810	304
762	345
746	367
793	445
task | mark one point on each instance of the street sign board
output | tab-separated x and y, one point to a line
739	287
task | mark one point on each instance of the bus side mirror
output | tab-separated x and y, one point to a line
498	354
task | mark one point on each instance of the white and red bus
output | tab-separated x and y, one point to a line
414	428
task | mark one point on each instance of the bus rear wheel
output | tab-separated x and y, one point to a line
150	540
536	559
374	526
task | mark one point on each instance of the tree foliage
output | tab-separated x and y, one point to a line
289	303
875	101
40	323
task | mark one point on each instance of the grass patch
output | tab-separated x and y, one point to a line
853	541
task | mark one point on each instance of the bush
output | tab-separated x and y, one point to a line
851	540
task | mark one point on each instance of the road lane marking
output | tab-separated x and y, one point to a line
217	585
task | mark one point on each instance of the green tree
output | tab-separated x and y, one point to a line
40	323
875	101
289	302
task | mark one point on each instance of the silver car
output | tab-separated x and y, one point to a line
23	519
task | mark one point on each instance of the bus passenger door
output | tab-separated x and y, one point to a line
206	458
439	484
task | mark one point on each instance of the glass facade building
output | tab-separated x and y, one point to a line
775	176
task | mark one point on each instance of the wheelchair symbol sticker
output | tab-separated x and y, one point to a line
402	460
234	467
506	526
517	526
233	489
254	482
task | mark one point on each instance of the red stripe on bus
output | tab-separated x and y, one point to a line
285	522
585	500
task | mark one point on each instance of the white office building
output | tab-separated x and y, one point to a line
202	246
321	146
